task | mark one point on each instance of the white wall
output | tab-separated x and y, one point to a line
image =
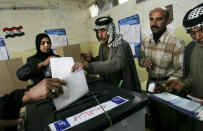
180	7
74	17
70	16
131	7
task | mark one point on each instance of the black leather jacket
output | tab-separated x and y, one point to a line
29	70
10	105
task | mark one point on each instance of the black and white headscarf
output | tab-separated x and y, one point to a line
107	23
194	18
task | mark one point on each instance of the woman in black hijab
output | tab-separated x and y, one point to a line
37	67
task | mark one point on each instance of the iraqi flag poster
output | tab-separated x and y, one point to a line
13	31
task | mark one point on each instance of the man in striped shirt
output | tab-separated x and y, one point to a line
161	53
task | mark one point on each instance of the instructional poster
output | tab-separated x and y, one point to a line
130	29
58	37
3	50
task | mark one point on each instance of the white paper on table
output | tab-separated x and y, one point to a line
60	66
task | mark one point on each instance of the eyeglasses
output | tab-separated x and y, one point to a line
43	42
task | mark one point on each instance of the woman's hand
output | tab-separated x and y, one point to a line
44	63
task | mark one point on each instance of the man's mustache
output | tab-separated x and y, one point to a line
101	38
154	26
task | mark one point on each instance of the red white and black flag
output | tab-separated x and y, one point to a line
13	31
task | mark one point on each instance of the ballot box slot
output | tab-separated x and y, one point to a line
81	104
92	80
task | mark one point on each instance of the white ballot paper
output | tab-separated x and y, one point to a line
76	82
60	66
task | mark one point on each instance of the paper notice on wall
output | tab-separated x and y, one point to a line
130	29
131	33
3	50
58	37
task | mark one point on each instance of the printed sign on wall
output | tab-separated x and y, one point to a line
130	29
58	37
3	50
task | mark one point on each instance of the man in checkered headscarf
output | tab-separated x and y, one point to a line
193	57
194	19
106	23
115	62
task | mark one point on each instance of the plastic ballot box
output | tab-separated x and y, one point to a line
170	112
105	107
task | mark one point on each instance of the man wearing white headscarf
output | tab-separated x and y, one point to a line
115	61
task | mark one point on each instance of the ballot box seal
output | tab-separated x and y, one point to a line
118	100
61	125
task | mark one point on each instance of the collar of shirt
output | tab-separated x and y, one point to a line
161	39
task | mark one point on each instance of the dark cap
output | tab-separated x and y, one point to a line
103	20
194	17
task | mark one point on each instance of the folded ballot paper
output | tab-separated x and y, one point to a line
195	99
189	107
180	102
76	82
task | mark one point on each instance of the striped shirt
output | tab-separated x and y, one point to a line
166	55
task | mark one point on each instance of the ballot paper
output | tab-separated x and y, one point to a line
180	102
195	99
60	66
151	87
200	114
76	82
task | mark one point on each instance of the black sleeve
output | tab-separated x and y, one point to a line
130	75
28	70
10	104
95	59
